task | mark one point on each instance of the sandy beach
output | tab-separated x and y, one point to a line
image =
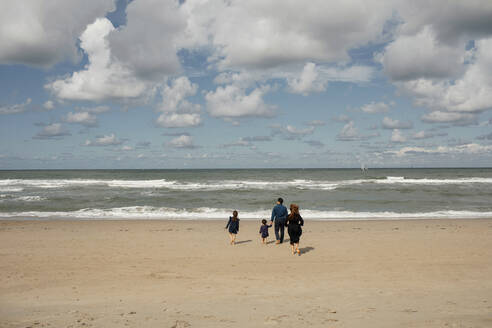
420	273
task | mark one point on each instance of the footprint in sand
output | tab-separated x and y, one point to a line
275	320
181	324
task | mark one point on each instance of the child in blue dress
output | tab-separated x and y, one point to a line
233	225
264	231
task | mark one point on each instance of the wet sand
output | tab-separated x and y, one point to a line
420	273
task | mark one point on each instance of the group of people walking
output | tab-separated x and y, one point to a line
280	219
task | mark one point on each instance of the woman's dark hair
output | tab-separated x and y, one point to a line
263	221
234	216
294	210
280	200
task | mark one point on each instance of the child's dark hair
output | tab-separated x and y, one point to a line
280	200
234	215
263	221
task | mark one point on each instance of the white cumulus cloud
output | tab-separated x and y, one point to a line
397	136
308	81
43	33
349	132
52	131
148	43
178	112
472	92
421	56
375	107
441	55
265	34
107	140
450	117
176	120
299	132
174	96
103	77
84	118
422	135
183	141
49	105
389	123
234	101
15	109
468	148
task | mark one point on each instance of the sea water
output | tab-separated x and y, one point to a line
322	194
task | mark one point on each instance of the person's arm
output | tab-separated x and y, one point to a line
301	220
228	222
273	215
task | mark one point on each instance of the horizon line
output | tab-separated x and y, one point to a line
253	168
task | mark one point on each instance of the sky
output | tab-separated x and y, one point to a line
245	84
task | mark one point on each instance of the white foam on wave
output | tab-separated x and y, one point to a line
206	213
30	199
6	197
395	178
168	184
11	189
15	185
63	183
426	181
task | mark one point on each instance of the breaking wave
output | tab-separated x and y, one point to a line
16	185
206	213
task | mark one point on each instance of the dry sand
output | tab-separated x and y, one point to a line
422	273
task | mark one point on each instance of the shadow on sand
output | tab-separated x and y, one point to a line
305	250
243	241
273	241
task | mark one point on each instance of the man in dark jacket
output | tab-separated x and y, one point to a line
279	216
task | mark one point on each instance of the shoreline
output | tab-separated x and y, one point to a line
356	168
363	219
170	273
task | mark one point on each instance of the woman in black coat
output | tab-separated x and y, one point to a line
294	224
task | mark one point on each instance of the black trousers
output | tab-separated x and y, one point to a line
279	230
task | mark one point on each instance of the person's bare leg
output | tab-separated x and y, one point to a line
292	246
297	249
233	238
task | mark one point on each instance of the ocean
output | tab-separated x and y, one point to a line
322	194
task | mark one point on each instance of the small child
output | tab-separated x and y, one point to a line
233	225
264	230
